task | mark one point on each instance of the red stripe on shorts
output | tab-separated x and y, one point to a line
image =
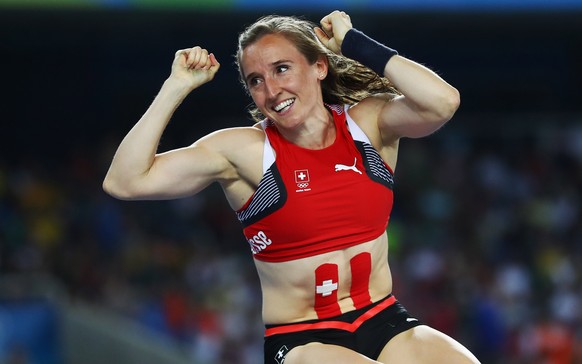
338	325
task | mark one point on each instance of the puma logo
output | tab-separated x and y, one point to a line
343	167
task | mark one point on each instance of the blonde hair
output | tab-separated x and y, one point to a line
347	81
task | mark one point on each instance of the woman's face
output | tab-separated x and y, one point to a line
282	83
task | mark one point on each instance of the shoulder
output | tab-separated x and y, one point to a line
238	146
225	140
366	114
242	149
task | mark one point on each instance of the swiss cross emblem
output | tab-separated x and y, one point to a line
280	357
302	180
301	176
326	288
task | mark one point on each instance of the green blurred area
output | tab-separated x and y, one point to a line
202	4
47	4
88	4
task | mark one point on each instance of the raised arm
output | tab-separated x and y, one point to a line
137	172
427	101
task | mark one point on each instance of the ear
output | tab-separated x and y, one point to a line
322	65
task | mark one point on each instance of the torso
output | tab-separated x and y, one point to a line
290	286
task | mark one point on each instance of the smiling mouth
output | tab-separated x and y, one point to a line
284	105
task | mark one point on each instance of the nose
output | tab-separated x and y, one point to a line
271	87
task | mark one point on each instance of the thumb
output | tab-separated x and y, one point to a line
321	35
214	64
213	61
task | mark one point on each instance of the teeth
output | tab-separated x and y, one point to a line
283	105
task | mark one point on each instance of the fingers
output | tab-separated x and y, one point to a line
326	25
196	58
323	37
328	21
336	25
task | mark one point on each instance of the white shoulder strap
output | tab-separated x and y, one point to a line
268	154
355	130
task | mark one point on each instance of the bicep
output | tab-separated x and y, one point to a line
400	117
183	172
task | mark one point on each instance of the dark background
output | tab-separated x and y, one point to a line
73	77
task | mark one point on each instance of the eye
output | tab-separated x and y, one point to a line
282	68
254	81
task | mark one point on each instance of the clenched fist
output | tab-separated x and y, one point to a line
334	27
194	66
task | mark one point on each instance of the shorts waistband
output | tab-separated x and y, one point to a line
331	324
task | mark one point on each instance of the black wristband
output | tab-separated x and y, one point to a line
359	47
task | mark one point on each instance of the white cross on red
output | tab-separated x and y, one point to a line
326	288
301	175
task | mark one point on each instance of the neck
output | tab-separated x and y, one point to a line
317	132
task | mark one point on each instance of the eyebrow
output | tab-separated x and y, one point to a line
274	64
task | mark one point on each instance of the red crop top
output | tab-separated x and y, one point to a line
310	202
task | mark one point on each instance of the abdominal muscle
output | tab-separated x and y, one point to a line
289	288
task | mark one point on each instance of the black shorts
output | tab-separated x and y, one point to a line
365	331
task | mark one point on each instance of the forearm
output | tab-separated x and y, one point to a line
136	153
426	92
423	88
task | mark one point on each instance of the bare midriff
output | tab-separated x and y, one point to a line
290	289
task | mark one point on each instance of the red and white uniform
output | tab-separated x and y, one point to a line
311	202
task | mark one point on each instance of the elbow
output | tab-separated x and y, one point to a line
444	110
454	100
115	189
110	188
450	104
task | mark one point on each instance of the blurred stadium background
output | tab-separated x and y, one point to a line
486	233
